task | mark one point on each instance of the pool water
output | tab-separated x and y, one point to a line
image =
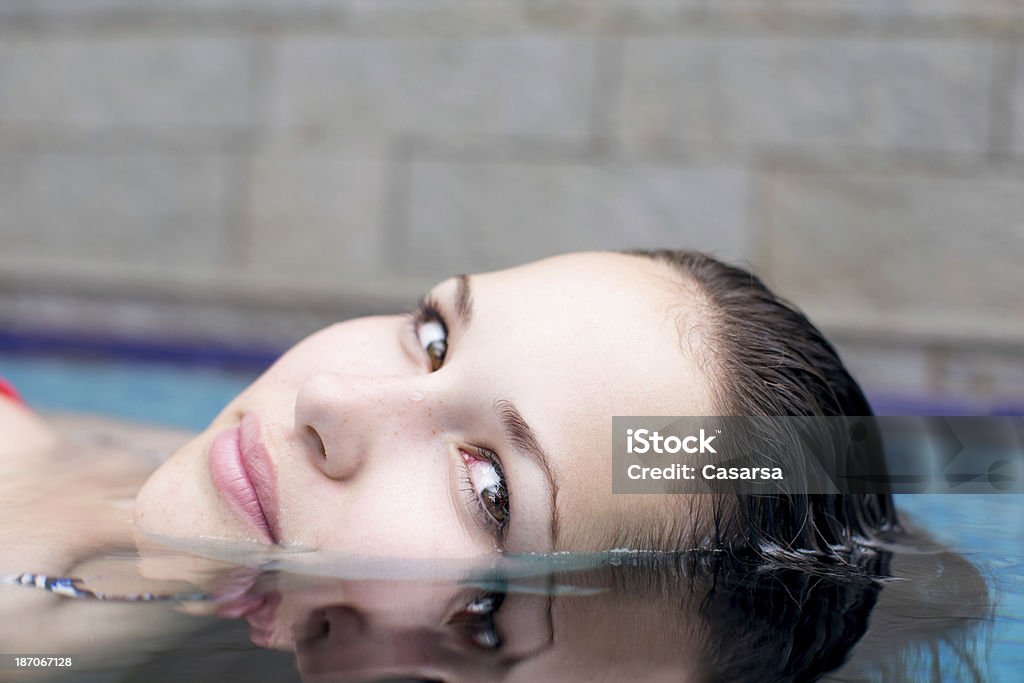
989	531
185	397
344	620
617	616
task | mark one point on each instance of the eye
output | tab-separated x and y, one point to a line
431	332
476	620
485	482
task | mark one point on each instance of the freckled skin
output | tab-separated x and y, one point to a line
387	479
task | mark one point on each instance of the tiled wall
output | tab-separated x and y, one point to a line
247	169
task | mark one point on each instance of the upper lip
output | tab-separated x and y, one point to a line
262	472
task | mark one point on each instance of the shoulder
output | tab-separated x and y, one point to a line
23	432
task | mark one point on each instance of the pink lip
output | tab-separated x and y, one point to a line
244	475
263	616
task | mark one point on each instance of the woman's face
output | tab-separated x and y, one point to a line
370	630
483	423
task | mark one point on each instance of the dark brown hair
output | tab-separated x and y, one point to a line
764	358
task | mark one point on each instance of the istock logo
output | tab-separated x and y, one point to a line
648	441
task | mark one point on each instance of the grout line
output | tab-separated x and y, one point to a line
238	216
1016	77
762	174
1001	92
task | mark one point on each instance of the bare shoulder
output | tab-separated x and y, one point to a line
23	431
75	483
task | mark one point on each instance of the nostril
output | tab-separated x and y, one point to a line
318	441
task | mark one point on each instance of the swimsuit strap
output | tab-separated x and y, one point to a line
73	587
7	390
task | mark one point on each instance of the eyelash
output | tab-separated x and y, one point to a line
428	309
499	529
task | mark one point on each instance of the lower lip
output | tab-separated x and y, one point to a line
263	616
232	481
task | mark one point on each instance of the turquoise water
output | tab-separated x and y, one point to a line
987	529
157	393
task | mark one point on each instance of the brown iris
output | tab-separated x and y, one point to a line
436	351
495	501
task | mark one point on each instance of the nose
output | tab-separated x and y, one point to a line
341	417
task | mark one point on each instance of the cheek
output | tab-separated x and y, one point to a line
366	346
395	511
178	500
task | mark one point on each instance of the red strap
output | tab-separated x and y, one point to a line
7	389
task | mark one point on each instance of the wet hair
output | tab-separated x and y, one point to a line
764	358
745	623
752	624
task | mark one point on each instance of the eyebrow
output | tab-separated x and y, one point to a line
517	430
522	437
464	300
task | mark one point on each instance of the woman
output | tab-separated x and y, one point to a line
481	422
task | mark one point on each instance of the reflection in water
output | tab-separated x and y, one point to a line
642	617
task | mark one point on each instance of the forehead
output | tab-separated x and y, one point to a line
579	339
616	331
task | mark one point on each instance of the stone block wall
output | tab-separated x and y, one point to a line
246	170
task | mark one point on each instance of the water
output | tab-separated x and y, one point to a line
159	393
616	616
989	531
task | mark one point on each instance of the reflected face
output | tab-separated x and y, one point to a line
370	630
482	422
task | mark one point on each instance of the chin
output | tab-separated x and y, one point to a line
171	502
